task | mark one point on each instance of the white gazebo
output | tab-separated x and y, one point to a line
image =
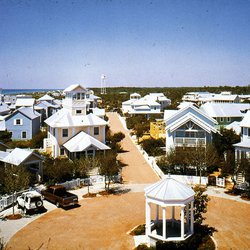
167	225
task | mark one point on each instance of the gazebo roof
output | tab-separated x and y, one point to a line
169	190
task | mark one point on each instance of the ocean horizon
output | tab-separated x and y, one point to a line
22	91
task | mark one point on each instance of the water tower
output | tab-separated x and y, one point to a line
103	84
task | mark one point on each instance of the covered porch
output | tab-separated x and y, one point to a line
83	144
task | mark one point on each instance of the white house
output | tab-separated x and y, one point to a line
153	103
188	127
242	149
73	124
204	97
225	113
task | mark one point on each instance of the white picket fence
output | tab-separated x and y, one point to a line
94	179
7	200
220	182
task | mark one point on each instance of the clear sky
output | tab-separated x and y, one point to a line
52	44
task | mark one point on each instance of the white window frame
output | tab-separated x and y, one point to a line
22	134
78	111
21	121
67	132
221	119
98	131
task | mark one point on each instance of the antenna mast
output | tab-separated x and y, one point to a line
103	84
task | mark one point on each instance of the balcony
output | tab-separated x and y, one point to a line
189	142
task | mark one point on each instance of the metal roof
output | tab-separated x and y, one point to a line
169	189
73	87
64	118
224	109
246	120
46	98
82	142
18	156
25	102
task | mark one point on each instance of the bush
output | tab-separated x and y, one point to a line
139	230
153	146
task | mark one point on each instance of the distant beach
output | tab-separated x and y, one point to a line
22	91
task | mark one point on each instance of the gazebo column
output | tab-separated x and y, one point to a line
157	213
173	215
182	222
192	218
148	218
187	217
164	231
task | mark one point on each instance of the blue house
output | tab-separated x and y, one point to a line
23	123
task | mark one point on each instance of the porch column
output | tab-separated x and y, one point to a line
182	222
164	232
192	218
148	219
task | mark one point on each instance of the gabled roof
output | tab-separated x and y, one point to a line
224	109
4	107
235	126
20	102
26	111
98	112
246	120
190	117
82	142
18	156
169	189
181	112
45	104
73	87
46	98
64	118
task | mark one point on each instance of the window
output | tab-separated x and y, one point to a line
61	151
96	130
248	130
228	119
242	131
18	122
54	131
221	119
24	135
65	132
78	111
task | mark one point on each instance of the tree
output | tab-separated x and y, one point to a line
109	166
224	141
202	158
84	165
153	146
113	141
200	203
58	170
16	178
5	136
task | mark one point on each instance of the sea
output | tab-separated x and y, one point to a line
22	91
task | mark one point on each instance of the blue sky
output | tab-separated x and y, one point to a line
52	44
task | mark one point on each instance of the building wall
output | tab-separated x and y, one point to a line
16	130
